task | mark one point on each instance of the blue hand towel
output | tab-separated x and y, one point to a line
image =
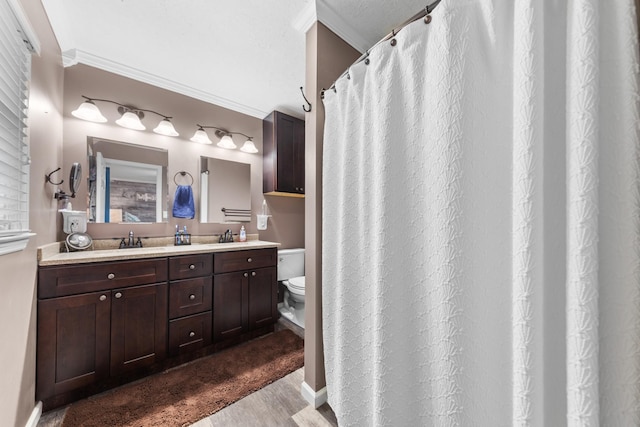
183	205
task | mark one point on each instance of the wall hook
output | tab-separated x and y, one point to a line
304	107
47	178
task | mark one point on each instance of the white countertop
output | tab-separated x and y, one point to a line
149	252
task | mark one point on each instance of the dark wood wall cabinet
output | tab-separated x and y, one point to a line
103	324
283	154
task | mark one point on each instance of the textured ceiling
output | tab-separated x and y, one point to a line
246	55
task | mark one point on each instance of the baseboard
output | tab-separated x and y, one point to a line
315	398
35	416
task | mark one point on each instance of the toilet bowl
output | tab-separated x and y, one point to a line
293	305
291	275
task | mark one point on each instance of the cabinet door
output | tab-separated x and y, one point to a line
298	156
285	144
230	316
73	342
138	327
263	297
283	154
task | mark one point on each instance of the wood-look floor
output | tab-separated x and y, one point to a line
278	404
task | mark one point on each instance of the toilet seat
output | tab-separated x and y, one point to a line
296	285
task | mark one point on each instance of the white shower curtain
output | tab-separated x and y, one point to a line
481	220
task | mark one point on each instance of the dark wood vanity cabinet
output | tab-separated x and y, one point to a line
73	343
106	323
245	292
190	301
138	327
283	154
87	334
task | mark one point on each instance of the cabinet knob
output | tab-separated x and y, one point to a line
118	295
111	276
249	260
192	334
192	297
253	274
246	274
103	297
301	189
192	267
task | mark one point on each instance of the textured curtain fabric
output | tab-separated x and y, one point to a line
481	220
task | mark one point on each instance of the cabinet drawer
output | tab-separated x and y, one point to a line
226	262
188	266
189	333
189	296
81	278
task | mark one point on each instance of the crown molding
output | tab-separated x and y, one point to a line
335	23
76	56
306	18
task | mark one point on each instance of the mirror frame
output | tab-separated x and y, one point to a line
162	215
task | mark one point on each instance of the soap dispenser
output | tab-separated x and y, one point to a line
243	234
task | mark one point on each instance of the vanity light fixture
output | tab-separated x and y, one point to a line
201	136
226	139
249	146
130	119
131	116
89	111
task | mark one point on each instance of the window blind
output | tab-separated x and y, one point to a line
15	67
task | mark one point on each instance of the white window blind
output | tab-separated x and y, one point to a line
15	67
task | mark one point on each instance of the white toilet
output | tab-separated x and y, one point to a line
291	274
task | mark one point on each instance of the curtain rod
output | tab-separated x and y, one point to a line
424	13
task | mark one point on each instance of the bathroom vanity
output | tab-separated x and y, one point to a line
107	317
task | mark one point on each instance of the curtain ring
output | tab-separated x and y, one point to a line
393	42
427	19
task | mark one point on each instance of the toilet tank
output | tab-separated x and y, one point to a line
290	263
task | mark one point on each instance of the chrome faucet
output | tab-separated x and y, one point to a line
227	237
131	243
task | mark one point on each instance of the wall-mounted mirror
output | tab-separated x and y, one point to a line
74	178
127	183
225	191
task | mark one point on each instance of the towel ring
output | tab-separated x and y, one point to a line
182	173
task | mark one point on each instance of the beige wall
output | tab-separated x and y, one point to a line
49	120
287	223
17	305
327	56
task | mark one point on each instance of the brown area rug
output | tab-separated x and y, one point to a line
186	394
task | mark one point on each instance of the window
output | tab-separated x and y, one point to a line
15	66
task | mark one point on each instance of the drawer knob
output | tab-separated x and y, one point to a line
103	297
111	276
246	274
192	334
192	266
249	260
253	274
118	294
192	297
